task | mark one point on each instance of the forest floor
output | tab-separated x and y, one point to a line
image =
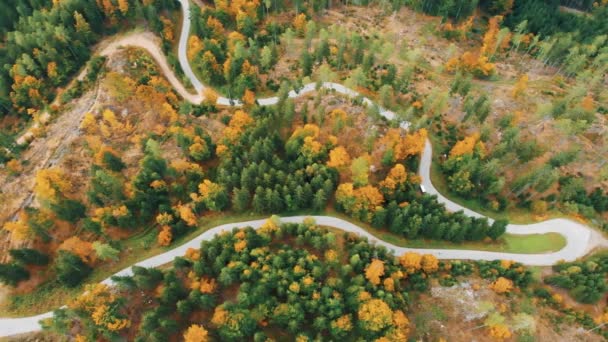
461	312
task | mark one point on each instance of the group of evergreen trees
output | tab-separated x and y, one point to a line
259	175
586	280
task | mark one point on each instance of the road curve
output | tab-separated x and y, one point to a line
13	326
580	238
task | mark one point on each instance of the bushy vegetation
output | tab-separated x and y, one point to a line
297	281
586	281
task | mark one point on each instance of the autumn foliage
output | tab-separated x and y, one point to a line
502	285
196	333
338	157
374	271
359	201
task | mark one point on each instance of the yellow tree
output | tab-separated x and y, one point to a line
123	6
165	236
429	263
299	24
413	144
375	315
249	98
343	323
520	86
186	214
374	271
89	124
100	302
20	230
401	327
396	176
411	261
196	333
464	146
338	157
499	331
50	183
502	285
209	95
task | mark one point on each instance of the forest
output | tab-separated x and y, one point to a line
115	164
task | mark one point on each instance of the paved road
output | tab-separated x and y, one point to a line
580	238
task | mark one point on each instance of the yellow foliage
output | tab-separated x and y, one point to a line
249	98
520	86
123	6
186	214
20	231
587	103
196	333
233	38
208	189
239	121
375	315
343	323
294	287
338	157
167	32
195	46
193	254
164	218
208	285
367	197
374	271
502	285
413	144
215	26
165	236
221	150
364	295
331	255
464	146
299	24
240	245
429	263
491	35
506	264
389	284
209	94
311	146
270	226
411	261
220	316
103	317
500	332
396	176
50	183
82	249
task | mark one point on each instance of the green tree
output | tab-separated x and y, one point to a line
29	256
105	251
71	270
11	274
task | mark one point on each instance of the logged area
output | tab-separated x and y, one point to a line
432	170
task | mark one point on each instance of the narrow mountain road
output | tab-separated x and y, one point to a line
580	238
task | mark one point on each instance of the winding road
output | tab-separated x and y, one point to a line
580	238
